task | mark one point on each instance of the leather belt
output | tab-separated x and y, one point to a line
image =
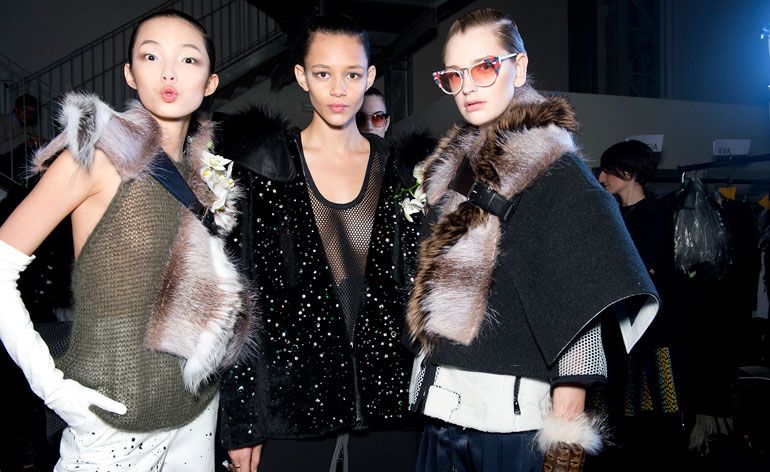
480	195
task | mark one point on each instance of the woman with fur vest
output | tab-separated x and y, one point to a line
522	252
159	308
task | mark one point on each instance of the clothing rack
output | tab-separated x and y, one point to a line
672	176
761	178
726	162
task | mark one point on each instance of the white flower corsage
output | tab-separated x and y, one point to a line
414	199
216	172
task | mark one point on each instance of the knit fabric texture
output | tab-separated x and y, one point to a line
115	281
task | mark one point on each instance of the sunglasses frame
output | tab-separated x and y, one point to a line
495	61
369	117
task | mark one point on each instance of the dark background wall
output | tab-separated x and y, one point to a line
704	50
707	50
717	52
699	50
34	33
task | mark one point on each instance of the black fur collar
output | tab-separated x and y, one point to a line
263	142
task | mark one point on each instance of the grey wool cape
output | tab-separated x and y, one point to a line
510	297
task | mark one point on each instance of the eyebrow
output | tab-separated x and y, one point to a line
474	61
324	66
186	45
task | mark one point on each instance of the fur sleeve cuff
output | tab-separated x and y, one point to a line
583	430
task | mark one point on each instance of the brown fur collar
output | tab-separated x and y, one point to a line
457	261
203	315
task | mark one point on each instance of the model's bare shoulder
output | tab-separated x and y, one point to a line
63	187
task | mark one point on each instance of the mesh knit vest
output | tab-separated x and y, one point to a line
115	281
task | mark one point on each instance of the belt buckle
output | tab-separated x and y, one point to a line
475	192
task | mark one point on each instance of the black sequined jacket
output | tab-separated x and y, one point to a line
307	379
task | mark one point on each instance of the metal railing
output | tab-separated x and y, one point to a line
10	73
237	28
19	130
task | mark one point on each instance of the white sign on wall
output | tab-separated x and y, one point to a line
732	147
655	141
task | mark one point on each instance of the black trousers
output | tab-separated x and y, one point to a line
373	451
450	448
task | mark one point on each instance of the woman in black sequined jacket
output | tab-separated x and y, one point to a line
330	367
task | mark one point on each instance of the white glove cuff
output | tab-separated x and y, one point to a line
12	260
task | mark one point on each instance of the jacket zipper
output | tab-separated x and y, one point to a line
356	387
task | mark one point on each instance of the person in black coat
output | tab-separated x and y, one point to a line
646	386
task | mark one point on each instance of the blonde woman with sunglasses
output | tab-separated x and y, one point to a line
523	252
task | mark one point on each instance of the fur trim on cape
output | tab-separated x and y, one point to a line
203	314
457	261
584	430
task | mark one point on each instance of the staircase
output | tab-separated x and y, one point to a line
237	27
15	144
250	37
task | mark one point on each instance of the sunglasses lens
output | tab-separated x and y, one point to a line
484	73
449	81
379	119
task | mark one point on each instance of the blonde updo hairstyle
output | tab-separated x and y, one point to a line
500	24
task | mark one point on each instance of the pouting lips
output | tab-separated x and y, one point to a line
168	94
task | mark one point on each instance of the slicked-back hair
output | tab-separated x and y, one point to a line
499	23
374	92
334	25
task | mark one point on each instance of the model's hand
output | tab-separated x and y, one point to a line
71	401
66	397
568	401
560	439
245	459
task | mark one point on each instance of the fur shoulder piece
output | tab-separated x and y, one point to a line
457	261
203	313
260	141
129	139
530	110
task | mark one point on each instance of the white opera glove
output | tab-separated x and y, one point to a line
66	397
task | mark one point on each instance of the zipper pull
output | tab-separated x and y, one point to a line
516	385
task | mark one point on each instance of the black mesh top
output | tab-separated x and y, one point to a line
345	230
